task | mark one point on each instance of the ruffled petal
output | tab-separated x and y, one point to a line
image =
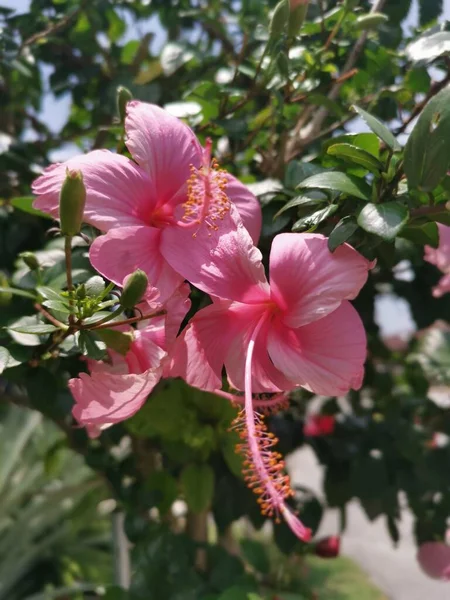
440	256
162	145
103	399
222	263
443	287
308	282
327	356
118	192
434	560
218	336
123	250
247	204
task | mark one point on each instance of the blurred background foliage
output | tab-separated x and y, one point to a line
275	123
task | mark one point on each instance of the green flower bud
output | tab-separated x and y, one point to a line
30	260
279	21
299	8
116	340
134	289
81	292
123	97
370	21
72	200
5	297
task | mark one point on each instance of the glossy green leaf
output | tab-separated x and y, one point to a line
25	204
429	47
422	234
301	201
342	232
197	482
379	129
334	181
385	220
311	222
34	329
427	152
355	155
89	345
17	292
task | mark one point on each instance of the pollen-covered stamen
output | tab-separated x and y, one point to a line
263	466
207	200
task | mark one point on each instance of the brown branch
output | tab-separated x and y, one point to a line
424	211
49	317
53	28
302	134
435	88
111	324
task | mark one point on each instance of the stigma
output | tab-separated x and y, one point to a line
207	201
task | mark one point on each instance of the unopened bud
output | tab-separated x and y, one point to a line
30	260
116	340
134	289
298	10
72	200
279	21
328	547
123	97
370	21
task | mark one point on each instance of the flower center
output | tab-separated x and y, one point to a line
207	201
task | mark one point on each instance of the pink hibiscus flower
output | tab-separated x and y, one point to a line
434	560
298	331
115	391
440	257
173	185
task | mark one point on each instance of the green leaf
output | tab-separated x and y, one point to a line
311	222
25	204
116	340
338	182
427	152
379	129
342	232
255	553
385	220
6	360
429	47
370	21
198	486
38	329
50	294
17	292
422	234
89	345
164	488
297	171
301	201
355	155
236	593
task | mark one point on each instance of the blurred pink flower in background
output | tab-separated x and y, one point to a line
328	547
319	425
440	257
434	560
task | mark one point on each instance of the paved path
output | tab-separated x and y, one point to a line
393	570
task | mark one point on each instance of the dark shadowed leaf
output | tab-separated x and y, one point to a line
342	232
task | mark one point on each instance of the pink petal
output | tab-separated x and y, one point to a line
123	250
218	336
248	206
443	287
162	145
102	399
440	256
222	263
308	281
326	356
119	193
434	559
145	353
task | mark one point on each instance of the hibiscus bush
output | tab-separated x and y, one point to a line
194	267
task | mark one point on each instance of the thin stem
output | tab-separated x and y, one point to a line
68	254
125	321
50	317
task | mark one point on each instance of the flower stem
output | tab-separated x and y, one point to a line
68	254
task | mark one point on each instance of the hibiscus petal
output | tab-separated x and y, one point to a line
248	206
123	250
308	281
434	559
102	399
443	287
118	192
222	263
163	145
440	256
327	356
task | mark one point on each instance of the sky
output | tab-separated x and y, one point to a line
392	313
